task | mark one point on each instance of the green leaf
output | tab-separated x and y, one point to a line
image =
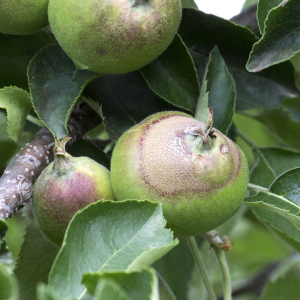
5	255
8	284
8	148
278	221
202	105
281	204
285	286
44	293
95	106
177	275
263	9
296	64
108	289
125	100
122	236
281	38
288	128
271	163
3	228
17	103
248	3
201	33
55	85
173	77
83	148
283	193
188	4
36	258
16	51
220	90
142	285
165	292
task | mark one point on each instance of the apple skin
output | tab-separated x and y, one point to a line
23	16
57	195
112	36
197	193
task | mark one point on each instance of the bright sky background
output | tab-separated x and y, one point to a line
222	8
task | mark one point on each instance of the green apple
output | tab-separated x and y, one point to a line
114	36
23	16
64	187
199	175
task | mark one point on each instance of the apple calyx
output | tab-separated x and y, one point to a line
198	139
137	3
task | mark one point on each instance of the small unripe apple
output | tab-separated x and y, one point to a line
114	36
198	174
23	16
64	187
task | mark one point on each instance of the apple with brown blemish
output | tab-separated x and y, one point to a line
198	174
114	36
66	186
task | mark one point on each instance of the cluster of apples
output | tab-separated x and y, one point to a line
106	37
199	175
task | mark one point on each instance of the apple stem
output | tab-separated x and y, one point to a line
220	245
199	261
137	3
209	122
207	143
61	157
225	272
62	164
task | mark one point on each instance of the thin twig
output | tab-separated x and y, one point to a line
220	245
225	273
199	261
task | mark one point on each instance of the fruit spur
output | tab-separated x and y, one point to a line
198	174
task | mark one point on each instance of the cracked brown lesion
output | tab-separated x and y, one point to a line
167	152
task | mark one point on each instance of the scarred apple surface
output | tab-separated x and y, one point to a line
66	186
23	16
114	36
199	175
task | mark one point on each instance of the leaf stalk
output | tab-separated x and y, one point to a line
199	261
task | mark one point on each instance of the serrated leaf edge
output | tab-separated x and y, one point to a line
28	78
8	113
232	81
93	77
92	204
255	45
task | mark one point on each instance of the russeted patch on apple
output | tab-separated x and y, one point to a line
66	186
114	36
198	174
